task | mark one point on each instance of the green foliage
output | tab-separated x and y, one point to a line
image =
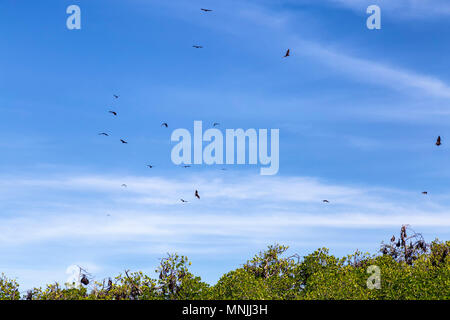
56	292
278	274
336	279
417	271
241	285
427	278
9	289
176	282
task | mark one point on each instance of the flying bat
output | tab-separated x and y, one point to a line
438	141
164	124
287	53
103	134
150	166
113	112
124	185
216	124
197	47
326	201
123	141
116	96
424	192
206	10
197	195
182	200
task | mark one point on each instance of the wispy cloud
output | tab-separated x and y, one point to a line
363	69
231	207
375	72
244	19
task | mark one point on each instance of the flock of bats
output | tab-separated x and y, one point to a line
164	124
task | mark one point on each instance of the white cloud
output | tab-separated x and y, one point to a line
374	72
363	69
279	26
232	206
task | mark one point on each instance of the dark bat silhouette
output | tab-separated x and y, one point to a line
197	195
197	47
424	192
215	124
438	141
150	166
326	201
206	10
84	280
113	112
186	166
164	124
124	185
182	200
287	53
103	134
393	239
123	141
116	96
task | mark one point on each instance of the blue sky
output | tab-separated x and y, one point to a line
358	113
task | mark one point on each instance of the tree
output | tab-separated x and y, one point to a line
9	289
409	268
